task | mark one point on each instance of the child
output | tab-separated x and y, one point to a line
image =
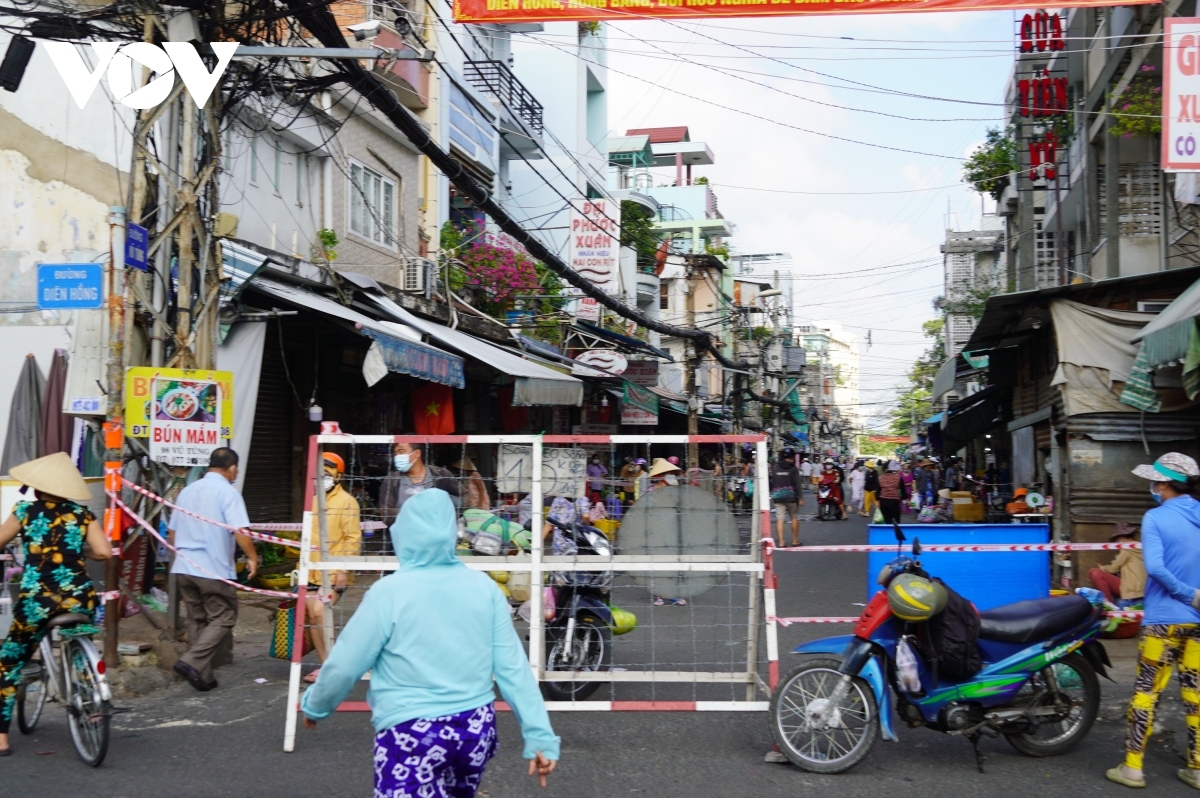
434	636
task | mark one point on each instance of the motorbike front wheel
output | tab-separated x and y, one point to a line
814	735
591	650
1075	680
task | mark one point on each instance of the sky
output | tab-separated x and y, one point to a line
777	128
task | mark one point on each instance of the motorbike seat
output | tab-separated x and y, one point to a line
1030	621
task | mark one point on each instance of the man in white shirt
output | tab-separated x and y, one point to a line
806	470
204	559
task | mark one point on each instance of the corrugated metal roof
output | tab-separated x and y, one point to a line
1161	427
1002	318
661	135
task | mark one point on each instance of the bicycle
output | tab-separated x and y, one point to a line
69	670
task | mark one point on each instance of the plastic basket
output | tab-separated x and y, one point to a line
609	527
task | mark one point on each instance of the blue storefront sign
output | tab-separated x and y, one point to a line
417	360
137	243
70	286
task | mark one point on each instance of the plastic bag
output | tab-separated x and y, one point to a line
907	671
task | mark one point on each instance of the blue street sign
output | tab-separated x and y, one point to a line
70	286
137	242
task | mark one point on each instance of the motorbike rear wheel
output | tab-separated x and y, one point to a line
1075	679
591	650
806	744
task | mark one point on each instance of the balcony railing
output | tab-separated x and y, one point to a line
496	79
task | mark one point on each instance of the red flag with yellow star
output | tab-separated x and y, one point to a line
433	410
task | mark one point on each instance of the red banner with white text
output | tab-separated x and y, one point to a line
614	10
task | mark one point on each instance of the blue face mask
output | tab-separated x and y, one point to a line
403	462
1157	497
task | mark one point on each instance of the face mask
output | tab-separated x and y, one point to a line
1157	497
403	462
671	480
328	482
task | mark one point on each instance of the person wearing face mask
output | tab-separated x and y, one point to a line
1171	623
663	473
343	537
412	476
596	473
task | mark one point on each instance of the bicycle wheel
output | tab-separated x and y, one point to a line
88	714
31	696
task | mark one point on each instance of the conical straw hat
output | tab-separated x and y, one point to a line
661	466
54	474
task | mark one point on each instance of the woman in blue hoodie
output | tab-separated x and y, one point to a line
1171	624
435	636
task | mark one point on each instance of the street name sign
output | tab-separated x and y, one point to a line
70	286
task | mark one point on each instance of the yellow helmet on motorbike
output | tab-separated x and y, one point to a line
915	598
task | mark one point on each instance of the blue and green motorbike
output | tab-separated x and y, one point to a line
1038	687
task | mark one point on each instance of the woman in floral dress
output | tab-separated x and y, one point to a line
57	533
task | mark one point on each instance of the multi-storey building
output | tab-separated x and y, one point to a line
1087	198
973	262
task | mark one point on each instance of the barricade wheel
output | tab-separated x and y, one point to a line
815	734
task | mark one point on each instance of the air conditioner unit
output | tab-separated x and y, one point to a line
414	275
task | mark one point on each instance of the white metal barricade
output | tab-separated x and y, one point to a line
539	564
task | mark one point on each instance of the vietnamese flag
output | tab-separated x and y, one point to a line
433	409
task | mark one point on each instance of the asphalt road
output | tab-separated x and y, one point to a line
229	742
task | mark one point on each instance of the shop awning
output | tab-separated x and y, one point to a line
936	418
626	341
943	381
535	384
969	418
1166	338
402	350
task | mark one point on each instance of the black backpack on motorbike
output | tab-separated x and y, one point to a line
949	640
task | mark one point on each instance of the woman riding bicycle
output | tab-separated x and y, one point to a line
54	530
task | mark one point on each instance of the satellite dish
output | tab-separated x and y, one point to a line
674	521
1035	500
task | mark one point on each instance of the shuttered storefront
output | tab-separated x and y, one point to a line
267	490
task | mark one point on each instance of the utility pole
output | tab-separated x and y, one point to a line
115	412
693	427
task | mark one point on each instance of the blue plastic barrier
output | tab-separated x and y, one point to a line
988	579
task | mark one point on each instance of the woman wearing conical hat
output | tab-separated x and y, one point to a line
57	533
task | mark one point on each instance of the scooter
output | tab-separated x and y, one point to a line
739	496
1038	686
829	502
579	636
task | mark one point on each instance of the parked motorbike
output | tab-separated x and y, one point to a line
739	494
579	636
1038	686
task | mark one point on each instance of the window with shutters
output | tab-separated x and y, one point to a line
372	206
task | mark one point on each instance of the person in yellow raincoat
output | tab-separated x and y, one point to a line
344	539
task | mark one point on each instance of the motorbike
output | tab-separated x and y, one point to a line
1038	687
579	636
829	501
740	495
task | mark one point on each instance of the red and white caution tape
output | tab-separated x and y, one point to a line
814	619
834	619
240	530
144	524
958	547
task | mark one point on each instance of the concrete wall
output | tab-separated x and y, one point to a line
375	144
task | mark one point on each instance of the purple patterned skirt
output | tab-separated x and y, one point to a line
435	757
